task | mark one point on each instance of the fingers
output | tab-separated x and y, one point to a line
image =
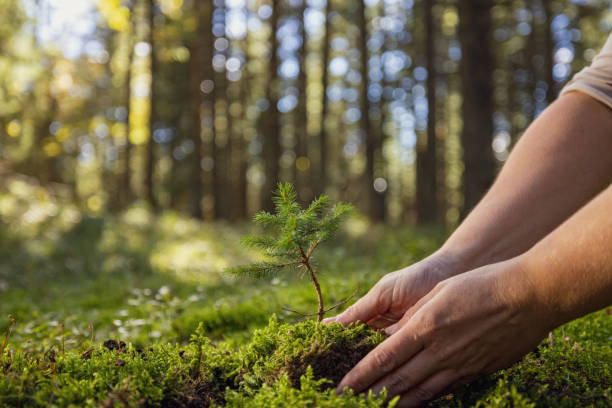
428	389
365	309
394	328
409	375
385	358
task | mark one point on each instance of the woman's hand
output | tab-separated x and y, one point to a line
468	325
396	292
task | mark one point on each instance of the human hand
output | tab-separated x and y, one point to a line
471	324
397	291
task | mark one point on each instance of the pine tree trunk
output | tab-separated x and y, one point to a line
271	131
222	140
549	49
477	66
240	196
150	146
126	186
376	207
321	182
198	69
302	180
427	180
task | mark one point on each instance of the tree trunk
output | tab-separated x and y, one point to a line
240	195
271	147
150	152
477	66
198	69
427	180
126	186
321	184
222	136
549	50
302	164
376	206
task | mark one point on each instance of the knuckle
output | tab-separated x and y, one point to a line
423	393
383	360
438	351
386	279
350	310
428	324
398	384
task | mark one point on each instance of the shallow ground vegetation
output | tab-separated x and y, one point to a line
131	310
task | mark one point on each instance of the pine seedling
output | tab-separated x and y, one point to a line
295	235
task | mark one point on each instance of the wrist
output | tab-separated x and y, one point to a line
525	293
446	263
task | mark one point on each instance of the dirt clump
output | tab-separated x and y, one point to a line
119	346
332	363
194	393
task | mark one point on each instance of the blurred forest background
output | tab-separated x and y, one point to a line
406	108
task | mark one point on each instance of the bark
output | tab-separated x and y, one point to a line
240	195
150	146
549	46
427	180
302	179
222	140
376	206
322	172
198	64
126	186
271	147
477	66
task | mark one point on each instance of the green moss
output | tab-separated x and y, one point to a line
310	393
331	350
135	277
282	365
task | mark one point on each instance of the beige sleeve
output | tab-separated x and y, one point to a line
595	80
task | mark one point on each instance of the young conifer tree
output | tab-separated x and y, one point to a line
295	234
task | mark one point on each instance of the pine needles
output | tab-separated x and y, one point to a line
295	234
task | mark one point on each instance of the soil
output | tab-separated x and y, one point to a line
115	345
195	393
332	363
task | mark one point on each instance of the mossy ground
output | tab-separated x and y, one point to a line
150	281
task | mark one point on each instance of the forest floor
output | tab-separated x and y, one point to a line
73	279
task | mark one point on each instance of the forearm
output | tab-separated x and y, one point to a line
561	162
570	271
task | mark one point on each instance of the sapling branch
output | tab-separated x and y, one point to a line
297	233
326	310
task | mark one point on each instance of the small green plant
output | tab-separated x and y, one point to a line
296	234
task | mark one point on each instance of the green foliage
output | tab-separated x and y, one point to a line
289	349
311	393
296	234
285	365
151	280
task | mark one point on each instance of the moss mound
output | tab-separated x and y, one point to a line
202	374
290	365
283	349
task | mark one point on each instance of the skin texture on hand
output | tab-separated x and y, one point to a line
535	260
396	292
473	323
561	162
486	319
